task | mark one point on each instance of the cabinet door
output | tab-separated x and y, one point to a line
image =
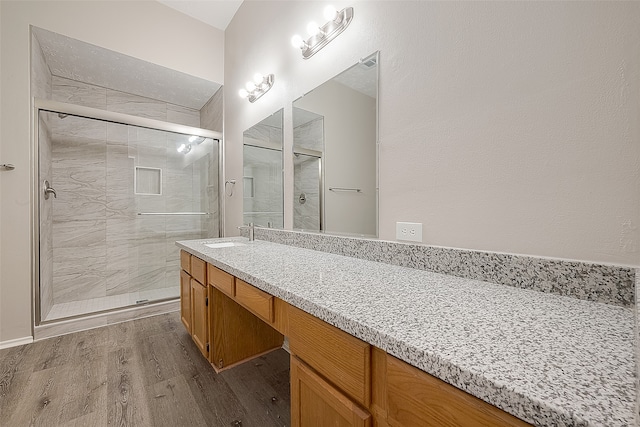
185	299
200	318
314	402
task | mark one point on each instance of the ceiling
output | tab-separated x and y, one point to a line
217	13
77	60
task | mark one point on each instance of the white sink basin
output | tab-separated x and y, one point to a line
217	245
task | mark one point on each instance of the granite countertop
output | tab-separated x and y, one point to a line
547	359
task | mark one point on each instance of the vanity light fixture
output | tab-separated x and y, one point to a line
321	36
258	87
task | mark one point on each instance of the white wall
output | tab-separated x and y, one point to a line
349	158
504	126
143	29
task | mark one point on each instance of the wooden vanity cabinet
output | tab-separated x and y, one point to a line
342	359
200	316
185	299
330	374
236	334
258	302
336	378
406	396
199	270
222	280
315	402
194	300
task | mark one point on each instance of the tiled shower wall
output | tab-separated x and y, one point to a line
211	116
101	246
306	176
74	92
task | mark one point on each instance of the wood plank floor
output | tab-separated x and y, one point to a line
145	372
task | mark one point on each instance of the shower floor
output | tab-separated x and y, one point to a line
77	308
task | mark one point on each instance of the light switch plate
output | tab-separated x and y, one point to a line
410	231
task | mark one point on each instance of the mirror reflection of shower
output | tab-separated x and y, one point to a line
335	153
307	169
262	181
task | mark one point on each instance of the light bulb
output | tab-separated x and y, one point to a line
258	79
243	93
250	86
313	29
330	13
297	41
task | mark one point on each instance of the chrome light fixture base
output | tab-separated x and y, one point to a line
328	32
262	88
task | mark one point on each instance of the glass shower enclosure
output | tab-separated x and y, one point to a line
114	194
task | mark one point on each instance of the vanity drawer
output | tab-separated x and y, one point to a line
199	270
415	398
221	280
259	302
185	261
341	358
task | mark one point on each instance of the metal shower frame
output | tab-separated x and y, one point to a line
111	117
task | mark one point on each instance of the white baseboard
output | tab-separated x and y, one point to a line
16	342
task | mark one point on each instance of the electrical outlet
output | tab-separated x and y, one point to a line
411	231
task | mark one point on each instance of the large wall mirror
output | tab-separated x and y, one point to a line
263	195
335	153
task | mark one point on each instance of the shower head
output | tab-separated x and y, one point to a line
62	115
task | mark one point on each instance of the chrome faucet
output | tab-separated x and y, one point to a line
251	232
250	227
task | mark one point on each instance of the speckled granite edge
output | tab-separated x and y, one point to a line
500	395
608	284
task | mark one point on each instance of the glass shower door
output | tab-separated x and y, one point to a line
123	195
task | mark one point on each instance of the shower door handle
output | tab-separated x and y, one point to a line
48	190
